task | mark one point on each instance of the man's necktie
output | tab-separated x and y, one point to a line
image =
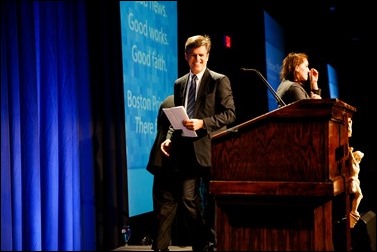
191	97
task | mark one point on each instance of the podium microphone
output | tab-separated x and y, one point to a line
277	97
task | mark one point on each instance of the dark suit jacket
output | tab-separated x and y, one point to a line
214	104
156	158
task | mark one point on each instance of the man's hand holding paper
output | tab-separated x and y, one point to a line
180	120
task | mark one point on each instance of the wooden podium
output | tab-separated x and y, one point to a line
279	180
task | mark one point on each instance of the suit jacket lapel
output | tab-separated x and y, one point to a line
203	86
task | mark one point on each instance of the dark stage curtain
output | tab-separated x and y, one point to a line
47	163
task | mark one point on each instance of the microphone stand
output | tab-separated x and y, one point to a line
277	97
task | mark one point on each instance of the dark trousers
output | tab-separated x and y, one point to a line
171	189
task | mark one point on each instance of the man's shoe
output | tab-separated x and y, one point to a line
210	246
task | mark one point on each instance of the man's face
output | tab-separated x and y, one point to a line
197	59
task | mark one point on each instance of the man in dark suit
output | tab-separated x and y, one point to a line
156	158
213	110
159	166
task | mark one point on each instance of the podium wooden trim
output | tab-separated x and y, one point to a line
279	180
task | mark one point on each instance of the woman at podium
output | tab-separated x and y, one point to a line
295	74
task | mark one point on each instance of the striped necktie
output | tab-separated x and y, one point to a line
191	97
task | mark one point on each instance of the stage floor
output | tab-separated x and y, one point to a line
148	248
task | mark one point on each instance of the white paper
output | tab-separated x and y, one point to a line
176	115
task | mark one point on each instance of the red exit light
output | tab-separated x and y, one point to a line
227	41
